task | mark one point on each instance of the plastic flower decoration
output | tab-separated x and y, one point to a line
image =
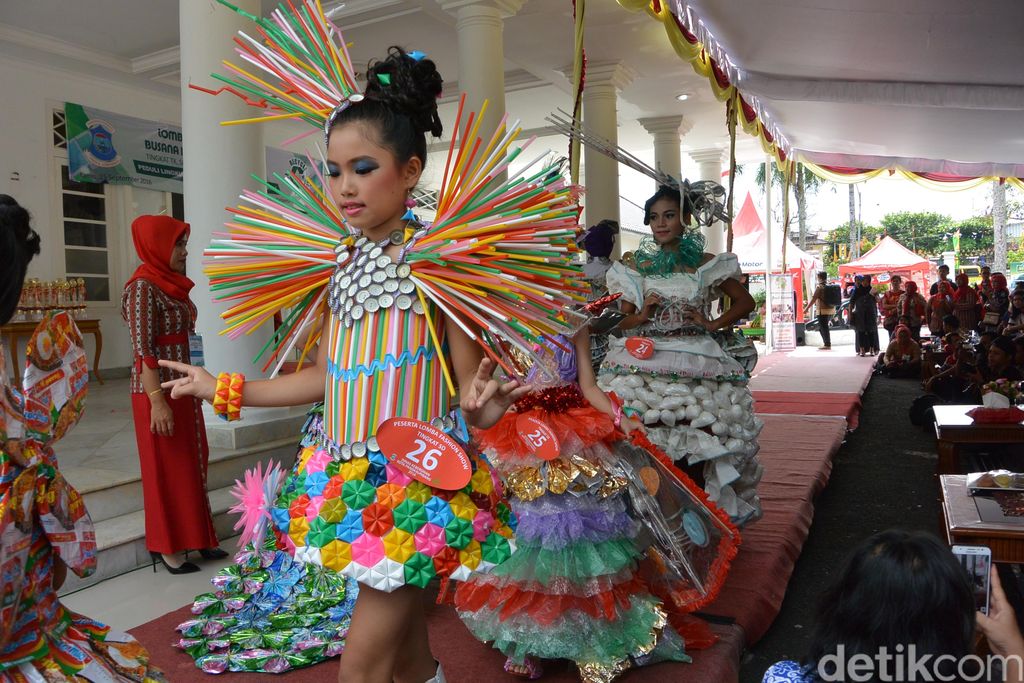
255	495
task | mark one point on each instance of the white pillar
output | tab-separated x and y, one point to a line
218	160
709	167
601	173
667	131
479	24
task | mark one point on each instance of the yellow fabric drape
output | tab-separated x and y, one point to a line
698	58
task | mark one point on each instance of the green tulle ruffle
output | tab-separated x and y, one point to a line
652	260
576	563
577	636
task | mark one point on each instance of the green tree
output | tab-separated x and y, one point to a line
869	236
976	235
926	233
805	184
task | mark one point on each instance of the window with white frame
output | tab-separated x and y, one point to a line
84	218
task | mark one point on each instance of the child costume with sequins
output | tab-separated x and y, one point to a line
574	588
496	261
43	520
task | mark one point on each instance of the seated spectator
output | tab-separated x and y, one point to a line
981	350
1001	355
950	325
903	355
1013	322
1018	356
954	380
898	588
997	303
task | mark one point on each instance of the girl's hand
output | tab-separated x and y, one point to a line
485	400
698	318
651	303
161	419
1000	626
196	382
628	424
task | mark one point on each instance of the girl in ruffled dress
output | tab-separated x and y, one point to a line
681	370
574	588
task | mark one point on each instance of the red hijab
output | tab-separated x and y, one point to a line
155	237
964	290
910	302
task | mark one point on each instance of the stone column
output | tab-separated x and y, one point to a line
601	173
479	24
217	163
667	131
709	167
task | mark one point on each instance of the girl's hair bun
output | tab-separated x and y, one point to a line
409	86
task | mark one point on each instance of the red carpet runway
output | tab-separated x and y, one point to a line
796	450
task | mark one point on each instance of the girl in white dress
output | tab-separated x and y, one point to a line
680	368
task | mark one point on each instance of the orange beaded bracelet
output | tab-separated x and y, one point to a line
227	397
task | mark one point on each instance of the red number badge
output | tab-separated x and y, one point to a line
538	437
640	347
425	453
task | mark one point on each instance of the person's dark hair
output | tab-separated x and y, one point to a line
896	277
897	587
944	266
599	240
950	323
18	239
1005	344
401	101
672	194
822	275
1018	341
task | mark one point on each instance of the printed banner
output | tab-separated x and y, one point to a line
783	312
104	147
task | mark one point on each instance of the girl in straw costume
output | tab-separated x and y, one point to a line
385	491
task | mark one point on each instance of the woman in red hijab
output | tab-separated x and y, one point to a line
913	305
966	304
171	433
939	306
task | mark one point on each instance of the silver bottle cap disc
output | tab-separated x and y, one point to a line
357	312
391	269
417	307
404	302
385	300
359	449
365	280
406	287
371	305
379	276
375	289
361	296
397	237
371	443
390	286
404	270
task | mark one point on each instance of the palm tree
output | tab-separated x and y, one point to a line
806	183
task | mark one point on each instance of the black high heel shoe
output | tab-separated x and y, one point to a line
185	568
213	553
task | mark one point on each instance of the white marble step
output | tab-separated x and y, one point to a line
121	542
109	494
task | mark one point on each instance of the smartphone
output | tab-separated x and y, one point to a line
977	562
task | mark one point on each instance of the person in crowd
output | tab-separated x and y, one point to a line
914	306
45	527
985	339
667	298
599	243
898	588
903	355
864	317
170	432
985	286
1001	356
1018	355
890	305
824	310
940	305
996	304
952	381
943	277
966	304
1001	632
1013	321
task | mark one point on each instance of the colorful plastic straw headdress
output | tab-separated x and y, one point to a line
706	196
498	259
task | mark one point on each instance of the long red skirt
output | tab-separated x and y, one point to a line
174	478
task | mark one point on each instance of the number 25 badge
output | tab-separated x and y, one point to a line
538	437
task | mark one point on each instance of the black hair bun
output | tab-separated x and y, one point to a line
409	86
15	218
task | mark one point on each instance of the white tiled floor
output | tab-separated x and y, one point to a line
134	598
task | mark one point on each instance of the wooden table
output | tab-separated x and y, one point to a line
964	526
954	428
25	328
